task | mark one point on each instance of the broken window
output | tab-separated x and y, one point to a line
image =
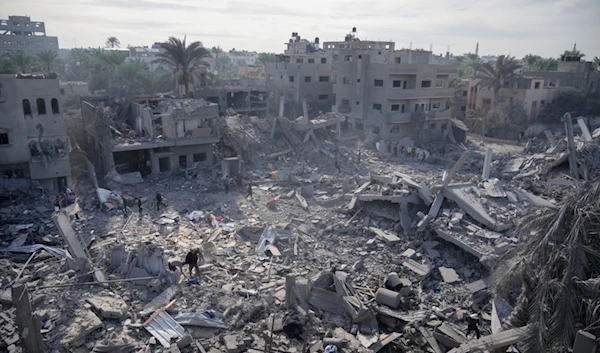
26	107
307	79
54	104
323	60
537	85
199	157
183	161
377	106
347	80
395	107
323	78
164	164
323	97
397	83
426	84
41	106
4	139
398	60
487	101
436	105
62	91
378	83
291	78
348	58
402	110
299	61
311	61
439	83
465	93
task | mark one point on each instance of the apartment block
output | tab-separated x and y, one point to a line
19	33
246	96
384	90
33	142
304	72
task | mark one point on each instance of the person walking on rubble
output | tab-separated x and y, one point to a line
359	152
226	182
336	163
249	190
158	201
191	259
140	204
395	150
472	327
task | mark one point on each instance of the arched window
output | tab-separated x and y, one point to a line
26	107
41	106
54	104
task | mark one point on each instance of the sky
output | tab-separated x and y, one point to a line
515	27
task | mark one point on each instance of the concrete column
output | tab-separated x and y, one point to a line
305	108
290	297
571	144
338	130
281	105
28	324
487	164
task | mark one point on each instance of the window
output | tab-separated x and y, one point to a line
347	80
41	106
358	80
4	139
62	91
472	89
537	85
323	97
463	108
487	101
54	104
397	83
465	93
345	102
199	157
348	58
164	164
360	56
323	60
307	78
404	84
395	107
439	83
299	61
426	84
402	110
542	103
311	61
436	105
291	78
323	78
183	161
378	83
398	60
26	107
377	106
416	108
357	103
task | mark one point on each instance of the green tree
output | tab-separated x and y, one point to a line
47	58
596	63
531	61
507	119
537	63
184	60
468	65
216	52
21	61
573	101
264	58
6	65
226	68
556	268
153	82
130	73
112	42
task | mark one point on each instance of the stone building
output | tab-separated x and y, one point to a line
20	33
33	141
149	135
245	96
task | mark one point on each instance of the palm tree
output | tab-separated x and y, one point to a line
216	51
151	82
131	71
531	61
21	61
112	42
184	60
47	58
264	58
596	63
556	266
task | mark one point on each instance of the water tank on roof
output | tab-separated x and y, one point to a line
353	29
317	40
293	34
297	38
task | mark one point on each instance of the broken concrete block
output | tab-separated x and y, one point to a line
184	341
408	253
387	237
137	272
82	324
234	343
108	307
449	275
421	271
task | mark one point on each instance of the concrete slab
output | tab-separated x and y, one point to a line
387	237
82	324
449	275
421	271
108	307
492	342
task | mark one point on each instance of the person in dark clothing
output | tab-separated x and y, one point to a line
443	150
249	190
389	147
140	205
191	259
396	150
158	200
359	152
473	320
226	183
423	157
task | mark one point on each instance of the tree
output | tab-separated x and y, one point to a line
47	58
573	101
537	63
6	65
152	82
574	52
468	65
596	63
216	52
131	71
184	60
21	61
507	119
264	58
226	69
112	42
492	77
556	268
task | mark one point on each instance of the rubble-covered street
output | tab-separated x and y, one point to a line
387	254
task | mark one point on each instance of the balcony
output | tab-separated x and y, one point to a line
420	93
397	118
439	115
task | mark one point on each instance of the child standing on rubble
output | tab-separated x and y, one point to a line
158	201
249	190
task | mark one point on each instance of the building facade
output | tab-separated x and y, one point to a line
19	33
244	96
242	58
33	141
387	91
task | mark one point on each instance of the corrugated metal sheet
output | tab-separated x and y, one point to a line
165	328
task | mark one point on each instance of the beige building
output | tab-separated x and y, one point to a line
33	142
19	33
73	89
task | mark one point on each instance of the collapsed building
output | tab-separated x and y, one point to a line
149	135
33	142
241	95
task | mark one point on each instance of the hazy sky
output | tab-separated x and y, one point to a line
519	27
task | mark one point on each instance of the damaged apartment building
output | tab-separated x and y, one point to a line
243	96
33	142
149	135
394	93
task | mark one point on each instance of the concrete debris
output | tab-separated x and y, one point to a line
449	275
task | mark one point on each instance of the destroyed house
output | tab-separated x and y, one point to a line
149	135
33	142
242	95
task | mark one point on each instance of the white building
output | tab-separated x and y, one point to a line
242	58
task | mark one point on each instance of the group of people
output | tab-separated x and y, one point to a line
192	259
229	182
410	152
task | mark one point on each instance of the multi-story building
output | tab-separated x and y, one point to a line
242	58
147	55
19	33
245	96
166	135
387	90
535	89
304	72
33	141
